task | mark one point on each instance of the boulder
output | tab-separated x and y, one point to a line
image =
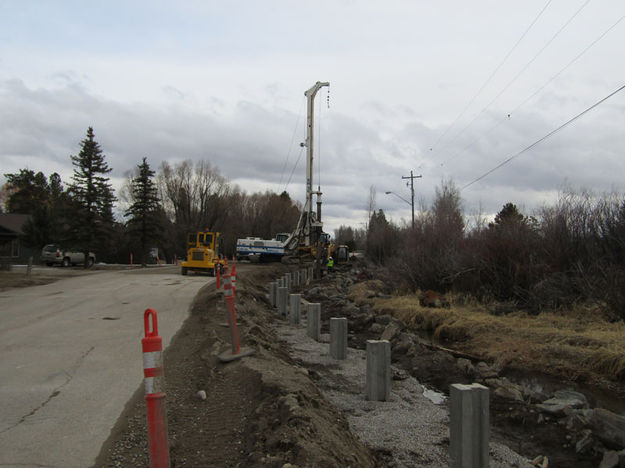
391	332
563	403
466	366
383	319
613	459
608	427
350	309
508	390
404	342
484	371
376	328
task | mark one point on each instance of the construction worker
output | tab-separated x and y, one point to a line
330	264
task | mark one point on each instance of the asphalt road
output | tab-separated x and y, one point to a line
70	358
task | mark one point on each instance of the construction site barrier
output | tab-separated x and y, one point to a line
237	352
218	277
152	346
233	277
232	316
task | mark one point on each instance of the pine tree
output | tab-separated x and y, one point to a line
92	195
145	211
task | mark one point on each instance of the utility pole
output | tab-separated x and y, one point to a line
412	178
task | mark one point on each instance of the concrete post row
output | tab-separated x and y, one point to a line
378	378
302	277
469	430
287	281
282	298
296	278
310	274
313	325
338	338
294	315
273	289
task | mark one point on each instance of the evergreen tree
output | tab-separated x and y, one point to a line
29	191
145	212
92	195
44	200
509	214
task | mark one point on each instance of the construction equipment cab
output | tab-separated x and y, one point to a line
202	253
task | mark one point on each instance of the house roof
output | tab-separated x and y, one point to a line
14	222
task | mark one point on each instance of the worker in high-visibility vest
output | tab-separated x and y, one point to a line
330	264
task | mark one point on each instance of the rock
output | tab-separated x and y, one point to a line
376	328
404	342
610	460
576	420
509	392
540	461
563	403
465	366
484	371
201	394
608	427
399	374
586	442
390	332
383	319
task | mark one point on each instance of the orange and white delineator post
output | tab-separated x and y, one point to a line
232	315
233	276
152	346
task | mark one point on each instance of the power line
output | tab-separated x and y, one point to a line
491	75
502	120
301	150
553	132
286	161
525	67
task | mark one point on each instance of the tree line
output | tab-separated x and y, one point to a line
162	207
568	253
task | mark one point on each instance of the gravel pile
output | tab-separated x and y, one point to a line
409	430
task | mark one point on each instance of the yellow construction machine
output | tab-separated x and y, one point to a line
202	253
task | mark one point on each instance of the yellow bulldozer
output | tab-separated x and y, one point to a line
202	253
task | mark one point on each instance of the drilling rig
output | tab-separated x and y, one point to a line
308	237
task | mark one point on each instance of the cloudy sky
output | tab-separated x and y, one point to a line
447	89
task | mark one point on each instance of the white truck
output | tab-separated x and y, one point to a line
260	250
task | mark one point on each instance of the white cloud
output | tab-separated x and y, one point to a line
225	82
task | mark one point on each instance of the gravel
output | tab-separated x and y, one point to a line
408	430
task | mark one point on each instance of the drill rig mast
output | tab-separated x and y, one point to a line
309	228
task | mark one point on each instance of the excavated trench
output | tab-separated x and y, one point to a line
518	424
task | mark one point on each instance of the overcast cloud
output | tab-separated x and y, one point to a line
224	82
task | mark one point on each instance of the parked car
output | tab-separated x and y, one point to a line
51	254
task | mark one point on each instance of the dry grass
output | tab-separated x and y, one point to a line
579	344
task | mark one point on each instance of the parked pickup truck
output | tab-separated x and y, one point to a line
52	254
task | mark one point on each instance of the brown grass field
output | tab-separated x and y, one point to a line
578	345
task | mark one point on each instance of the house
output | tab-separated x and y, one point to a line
12	249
